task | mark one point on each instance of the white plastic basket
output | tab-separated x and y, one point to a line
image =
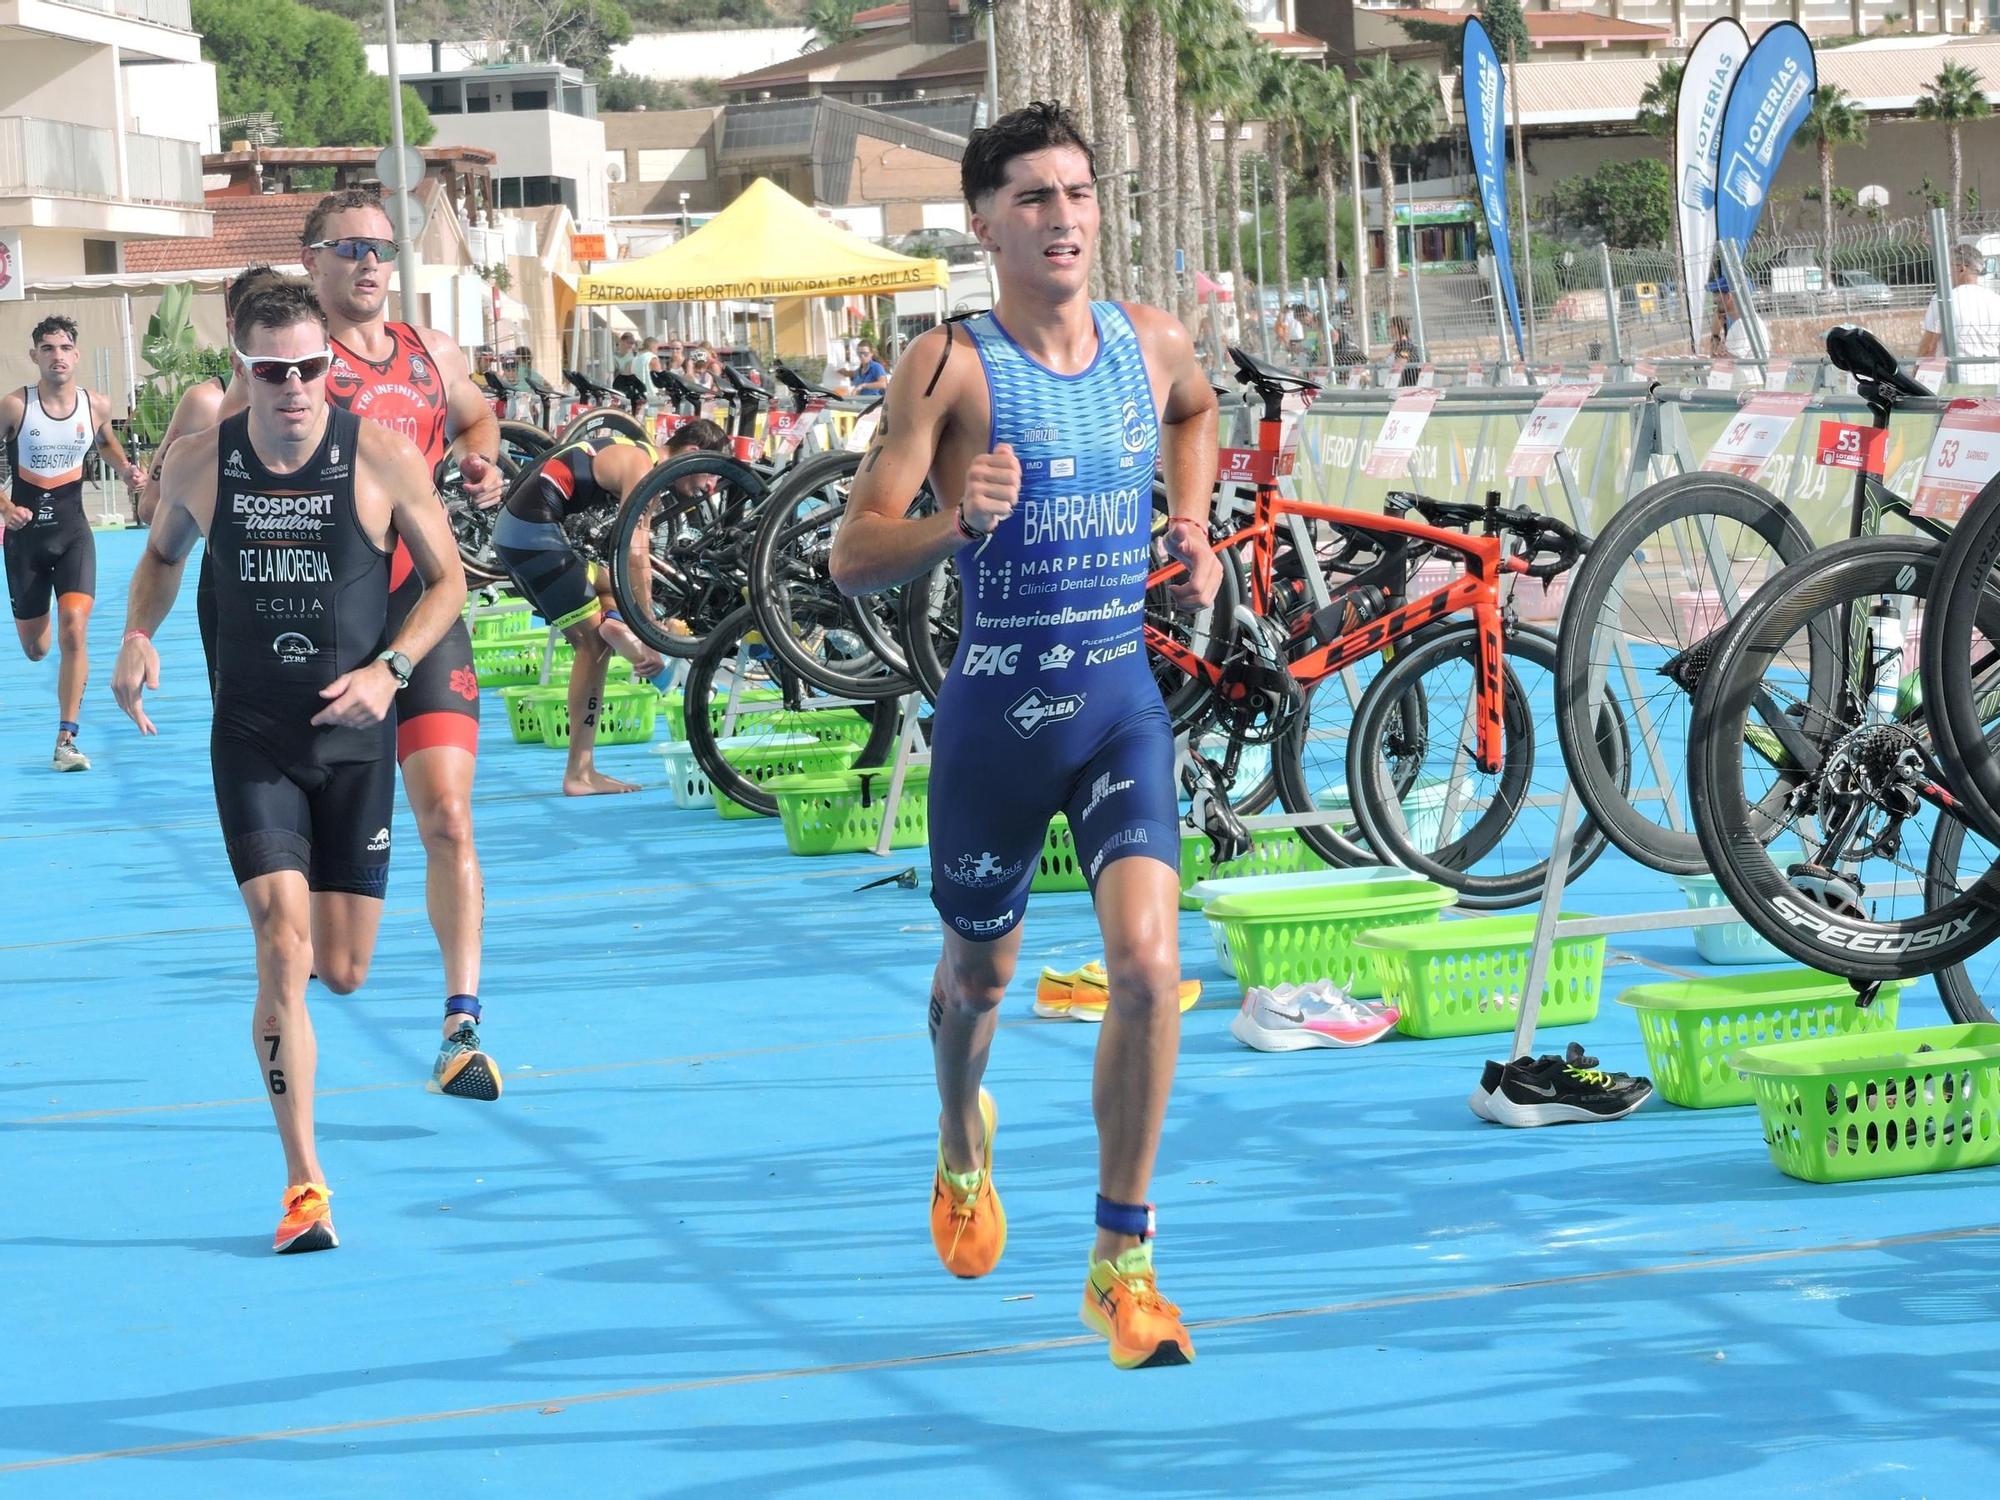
686	777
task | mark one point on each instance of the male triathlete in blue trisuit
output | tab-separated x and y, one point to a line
1039	425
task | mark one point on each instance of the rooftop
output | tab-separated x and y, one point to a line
248	232
1546	26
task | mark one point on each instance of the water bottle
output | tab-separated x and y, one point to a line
1885	631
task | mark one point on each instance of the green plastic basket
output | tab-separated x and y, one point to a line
1465	978
764	760
830	726
1879	1103
1692	1028
675	705
1296	935
504	620
1273	851
1210	891
513	662
524	714
627	717
1058	868
842	813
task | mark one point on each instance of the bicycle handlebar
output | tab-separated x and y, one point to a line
1538	534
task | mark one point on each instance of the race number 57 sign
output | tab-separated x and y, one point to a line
1747	443
1549	424
1404	424
1964	455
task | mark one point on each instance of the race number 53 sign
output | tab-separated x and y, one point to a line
1965	454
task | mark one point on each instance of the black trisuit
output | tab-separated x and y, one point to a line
301	597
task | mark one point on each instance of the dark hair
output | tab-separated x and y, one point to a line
698	434
337	203
243	283
1024	131
277	303
56	323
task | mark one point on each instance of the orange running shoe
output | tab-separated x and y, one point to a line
1054	990
1090	996
308	1221
1121	1301
968	1225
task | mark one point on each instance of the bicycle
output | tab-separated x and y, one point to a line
1256	672
1822	797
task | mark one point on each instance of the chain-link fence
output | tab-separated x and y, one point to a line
1595	305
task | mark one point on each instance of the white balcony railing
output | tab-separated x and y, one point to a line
53	156
80	161
178	14
160	169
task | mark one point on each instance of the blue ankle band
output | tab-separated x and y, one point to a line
63	726
462	1005
1125	1218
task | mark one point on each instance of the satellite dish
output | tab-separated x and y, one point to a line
614	170
1873	196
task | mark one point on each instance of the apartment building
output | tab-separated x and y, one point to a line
78	178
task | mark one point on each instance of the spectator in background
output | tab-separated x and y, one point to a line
1402	350
1975	316
700	367
1294	332
630	366
871	376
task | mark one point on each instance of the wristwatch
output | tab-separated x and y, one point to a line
400	667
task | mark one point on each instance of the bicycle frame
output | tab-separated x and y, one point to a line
1478	592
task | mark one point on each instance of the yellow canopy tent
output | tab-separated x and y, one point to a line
766	244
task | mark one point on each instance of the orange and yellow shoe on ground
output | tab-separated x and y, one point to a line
308	1221
1085	994
1122	1303
968	1225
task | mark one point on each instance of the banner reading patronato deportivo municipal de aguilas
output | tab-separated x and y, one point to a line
1769	101
1484	92
1711	69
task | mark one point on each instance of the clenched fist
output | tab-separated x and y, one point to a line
992	489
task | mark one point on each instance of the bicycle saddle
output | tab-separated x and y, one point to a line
585	387
1859	353
1255	371
802	387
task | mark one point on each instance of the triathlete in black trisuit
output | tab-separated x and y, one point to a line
302	507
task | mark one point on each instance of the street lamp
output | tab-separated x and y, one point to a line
684	215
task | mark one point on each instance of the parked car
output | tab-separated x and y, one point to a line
1860	289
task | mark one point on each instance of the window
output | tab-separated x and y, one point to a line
531	98
444	99
100	257
478	104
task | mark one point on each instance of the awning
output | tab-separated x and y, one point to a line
766	244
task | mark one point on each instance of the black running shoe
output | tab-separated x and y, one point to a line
1480	1101
1566	1090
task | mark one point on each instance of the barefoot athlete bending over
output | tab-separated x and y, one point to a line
1043	427
594	472
415	382
49	427
302	505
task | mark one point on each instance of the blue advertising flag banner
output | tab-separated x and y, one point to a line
1484	93
1769	99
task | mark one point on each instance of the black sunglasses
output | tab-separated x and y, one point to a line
277	369
355	246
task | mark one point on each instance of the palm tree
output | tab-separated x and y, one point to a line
1234	85
1104	36
1398	108
1146	39
1278	96
1836	119
1013	56
1660	97
1323	141
1956	95
832	22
